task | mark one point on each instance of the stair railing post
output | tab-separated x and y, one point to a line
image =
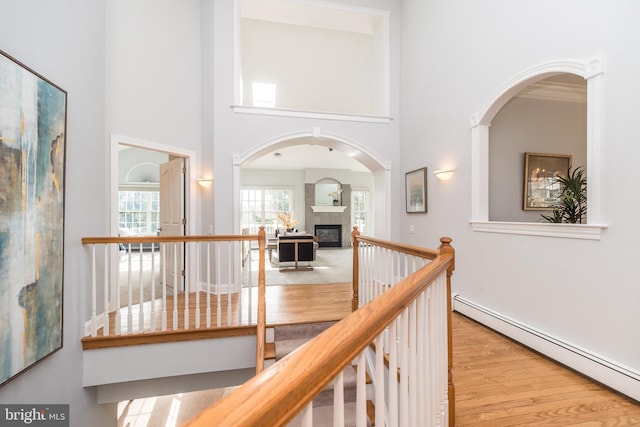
356	246
446	248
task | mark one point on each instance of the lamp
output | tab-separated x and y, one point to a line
205	182
444	174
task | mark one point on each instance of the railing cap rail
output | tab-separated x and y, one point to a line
398	247
169	239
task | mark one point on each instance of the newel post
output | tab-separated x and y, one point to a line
261	321
355	243
447	249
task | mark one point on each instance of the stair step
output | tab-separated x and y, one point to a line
300	330
269	351
323	416
288	338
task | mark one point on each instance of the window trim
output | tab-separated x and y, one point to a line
592	71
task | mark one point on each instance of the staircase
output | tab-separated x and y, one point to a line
288	338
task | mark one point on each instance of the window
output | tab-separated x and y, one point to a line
139	211
260	206
264	95
359	202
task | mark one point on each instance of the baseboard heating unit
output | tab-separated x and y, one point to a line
620	378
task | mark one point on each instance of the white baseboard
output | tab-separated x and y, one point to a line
618	377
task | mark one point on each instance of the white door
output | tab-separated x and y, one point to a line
172	217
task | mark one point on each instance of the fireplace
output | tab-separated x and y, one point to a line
329	236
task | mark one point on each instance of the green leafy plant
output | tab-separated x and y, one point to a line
571	206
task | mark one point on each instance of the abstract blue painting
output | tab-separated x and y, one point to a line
32	162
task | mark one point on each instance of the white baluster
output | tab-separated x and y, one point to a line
141	293
218	280
338	400
176	288
361	392
118	325
187	288
152	314
94	292
379	386
413	392
197	285
163	263
105	287
229	290
404	368
307	415
208	284
393	373
130	294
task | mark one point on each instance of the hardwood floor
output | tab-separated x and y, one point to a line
498	382
502	383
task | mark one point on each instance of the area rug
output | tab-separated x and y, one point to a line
332	265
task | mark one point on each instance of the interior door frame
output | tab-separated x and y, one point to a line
189	194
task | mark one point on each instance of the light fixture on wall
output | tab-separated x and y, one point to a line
444	174
205	182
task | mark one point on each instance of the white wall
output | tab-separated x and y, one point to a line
456	55
237	134
313	69
64	41
153	71
534	126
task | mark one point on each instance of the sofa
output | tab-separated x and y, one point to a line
306	248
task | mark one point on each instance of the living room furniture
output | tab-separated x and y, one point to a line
272	245
296	248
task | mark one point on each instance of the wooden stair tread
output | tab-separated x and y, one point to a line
269	351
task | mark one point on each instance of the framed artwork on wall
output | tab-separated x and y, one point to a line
541	188
32	180
416	191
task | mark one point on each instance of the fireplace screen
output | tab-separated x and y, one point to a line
329	235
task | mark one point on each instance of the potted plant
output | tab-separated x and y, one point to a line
287	220
571	207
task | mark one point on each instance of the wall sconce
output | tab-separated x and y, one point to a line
444	174
205	182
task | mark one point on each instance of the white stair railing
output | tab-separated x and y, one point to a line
405	321
133	291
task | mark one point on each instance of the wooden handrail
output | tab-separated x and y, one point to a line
285	388
169	239
394	246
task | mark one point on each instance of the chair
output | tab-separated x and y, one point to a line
296	248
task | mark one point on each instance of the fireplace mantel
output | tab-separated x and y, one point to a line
328	208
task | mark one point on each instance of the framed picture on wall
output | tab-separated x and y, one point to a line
32	181
541	187
416	191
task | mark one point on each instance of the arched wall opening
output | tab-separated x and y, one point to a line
591	71
379	168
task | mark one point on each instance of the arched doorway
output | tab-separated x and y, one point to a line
308	147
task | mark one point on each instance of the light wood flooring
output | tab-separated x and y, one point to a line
502	383
498	382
